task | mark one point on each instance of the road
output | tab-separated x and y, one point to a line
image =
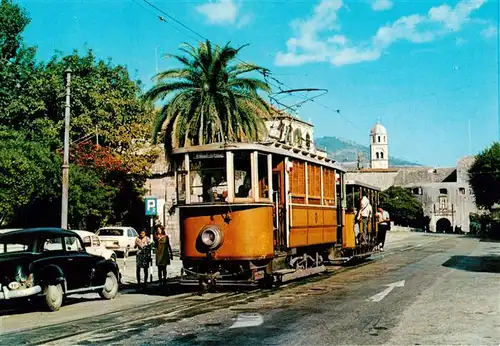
427	289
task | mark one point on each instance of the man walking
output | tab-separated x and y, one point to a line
384	225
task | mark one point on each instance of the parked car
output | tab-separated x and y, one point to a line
94	246
51	263
118	239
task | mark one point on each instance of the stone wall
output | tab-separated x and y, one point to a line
426	184
162	186
455	203
382	180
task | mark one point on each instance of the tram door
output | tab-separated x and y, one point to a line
279	210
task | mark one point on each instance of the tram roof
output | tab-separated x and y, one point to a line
268	147
359	183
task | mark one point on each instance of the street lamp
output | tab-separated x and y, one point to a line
65	165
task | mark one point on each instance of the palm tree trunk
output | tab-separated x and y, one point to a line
200	131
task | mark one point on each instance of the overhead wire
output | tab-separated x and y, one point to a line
266	73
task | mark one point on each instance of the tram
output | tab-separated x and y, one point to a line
264	213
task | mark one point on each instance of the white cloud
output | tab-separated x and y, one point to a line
318	38
382	5
460	41
489	32
223	12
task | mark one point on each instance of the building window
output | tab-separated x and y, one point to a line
461	190
378	139
443	191
417	191
374	138
297	138
377	155
308	141
384	139
382	155
443	203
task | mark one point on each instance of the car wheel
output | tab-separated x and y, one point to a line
110	288
113	258
53	295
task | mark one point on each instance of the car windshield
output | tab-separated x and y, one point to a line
110	232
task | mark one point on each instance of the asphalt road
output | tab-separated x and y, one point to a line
429	290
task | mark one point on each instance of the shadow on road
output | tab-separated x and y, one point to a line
483	264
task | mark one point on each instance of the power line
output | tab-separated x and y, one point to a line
266	74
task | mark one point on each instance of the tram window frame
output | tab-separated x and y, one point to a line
329	182
240	161
180	179
218	185
263	176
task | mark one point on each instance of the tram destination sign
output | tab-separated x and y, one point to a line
205	156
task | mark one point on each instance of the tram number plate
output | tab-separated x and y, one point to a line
258	275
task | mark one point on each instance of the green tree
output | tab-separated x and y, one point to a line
403	207
25	169
484	177
208	99
106	181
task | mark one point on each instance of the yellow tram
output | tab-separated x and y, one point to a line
263	213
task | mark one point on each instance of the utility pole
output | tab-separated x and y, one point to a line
65	165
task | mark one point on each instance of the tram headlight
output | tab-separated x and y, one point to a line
211	237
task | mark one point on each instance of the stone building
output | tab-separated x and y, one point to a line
445	194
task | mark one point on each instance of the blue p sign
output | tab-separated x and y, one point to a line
151	206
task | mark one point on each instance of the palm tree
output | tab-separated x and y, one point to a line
208	99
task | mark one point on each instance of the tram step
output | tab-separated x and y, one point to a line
284	271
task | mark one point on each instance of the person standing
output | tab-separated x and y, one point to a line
365	213
383	220
163	253
143	256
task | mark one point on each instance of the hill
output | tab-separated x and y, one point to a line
346	151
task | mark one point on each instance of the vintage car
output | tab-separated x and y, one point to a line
94	245
119	239
51	263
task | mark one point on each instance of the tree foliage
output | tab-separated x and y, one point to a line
106	178
208	98
24	167
403	207
484	177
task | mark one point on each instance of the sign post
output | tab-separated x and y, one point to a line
151	210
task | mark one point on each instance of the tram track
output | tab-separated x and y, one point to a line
98	329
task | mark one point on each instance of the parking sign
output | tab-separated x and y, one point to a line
151	206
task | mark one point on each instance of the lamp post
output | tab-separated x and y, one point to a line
65	165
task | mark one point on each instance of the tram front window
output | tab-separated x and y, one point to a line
208	178
242	174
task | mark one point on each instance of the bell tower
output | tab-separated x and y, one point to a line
379	153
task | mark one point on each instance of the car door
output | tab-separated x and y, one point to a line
80	264
52	253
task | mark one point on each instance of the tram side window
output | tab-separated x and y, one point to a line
242	174
352	200
263	176
181	179
208	178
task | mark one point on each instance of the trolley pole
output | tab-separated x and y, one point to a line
65	165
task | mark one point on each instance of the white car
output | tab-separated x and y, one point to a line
94	246
118	239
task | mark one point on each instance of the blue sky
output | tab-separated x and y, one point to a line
424	68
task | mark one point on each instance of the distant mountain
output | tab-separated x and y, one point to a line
346	151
